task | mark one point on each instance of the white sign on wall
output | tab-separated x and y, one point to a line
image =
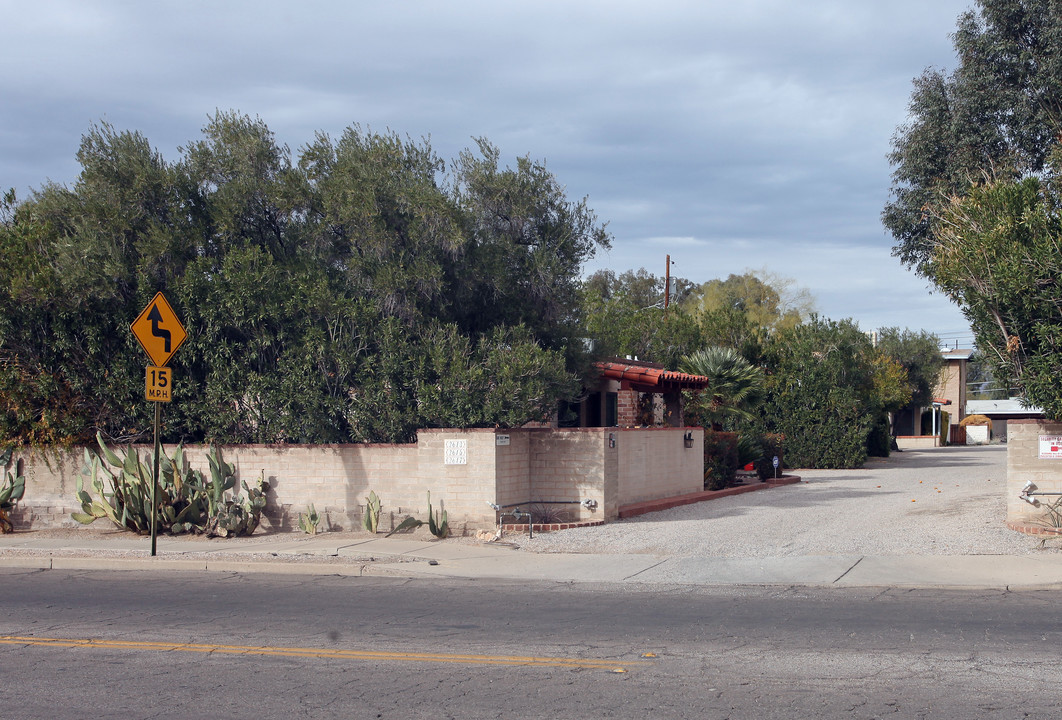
455	452
502	440
1051	447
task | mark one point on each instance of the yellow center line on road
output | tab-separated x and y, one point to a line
319	653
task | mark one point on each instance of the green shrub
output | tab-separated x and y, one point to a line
773	445
720	459
821	393
354	293
879	441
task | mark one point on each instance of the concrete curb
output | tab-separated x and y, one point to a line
958	572
182	565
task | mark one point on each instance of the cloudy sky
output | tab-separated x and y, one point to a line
728	135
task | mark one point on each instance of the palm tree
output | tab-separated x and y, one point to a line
736	387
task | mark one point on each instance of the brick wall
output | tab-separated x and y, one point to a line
1023	465
952	385
627	408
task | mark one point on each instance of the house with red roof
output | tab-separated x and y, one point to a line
632	393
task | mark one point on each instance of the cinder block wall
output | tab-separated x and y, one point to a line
466	487
51	487
337	479
654	463
1023	465
465	471
569	465
513	468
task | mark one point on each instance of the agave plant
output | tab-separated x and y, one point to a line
371	519
11	492
437	523
187	501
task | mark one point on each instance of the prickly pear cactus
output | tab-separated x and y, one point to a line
238	516
309	522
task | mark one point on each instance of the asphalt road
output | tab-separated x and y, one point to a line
151	645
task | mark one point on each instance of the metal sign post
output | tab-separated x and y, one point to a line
160	333
155	480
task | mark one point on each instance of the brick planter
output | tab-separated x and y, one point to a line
549	527
1034	529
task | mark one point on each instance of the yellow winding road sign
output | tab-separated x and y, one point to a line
159	331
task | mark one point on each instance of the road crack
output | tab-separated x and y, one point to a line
848	570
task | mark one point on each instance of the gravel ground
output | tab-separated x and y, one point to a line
945	501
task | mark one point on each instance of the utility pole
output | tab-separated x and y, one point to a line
667	282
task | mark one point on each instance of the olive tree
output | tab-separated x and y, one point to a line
353	291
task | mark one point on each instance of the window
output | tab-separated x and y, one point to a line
611	409
593	410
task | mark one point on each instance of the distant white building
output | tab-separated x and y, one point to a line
1000	411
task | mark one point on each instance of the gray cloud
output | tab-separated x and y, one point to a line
755	132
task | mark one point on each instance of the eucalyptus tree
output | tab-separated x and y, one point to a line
974	204
625	316
917	353
997	113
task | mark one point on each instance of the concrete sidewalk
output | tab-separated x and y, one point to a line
359	554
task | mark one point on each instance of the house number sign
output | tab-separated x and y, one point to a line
455	452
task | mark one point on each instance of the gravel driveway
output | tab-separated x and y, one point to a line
944	501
